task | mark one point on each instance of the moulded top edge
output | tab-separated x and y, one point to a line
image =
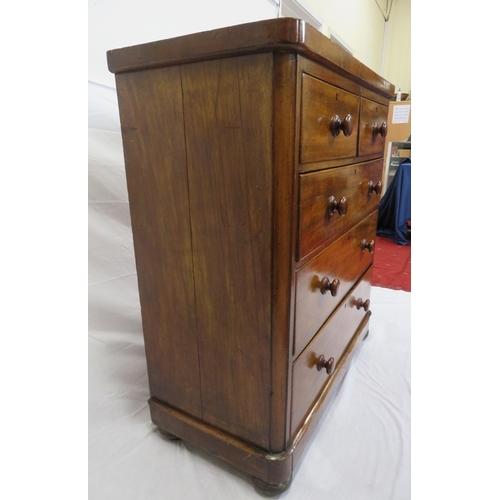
282	34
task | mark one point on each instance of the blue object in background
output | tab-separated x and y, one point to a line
395	206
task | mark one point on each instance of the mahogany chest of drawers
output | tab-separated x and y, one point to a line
253	157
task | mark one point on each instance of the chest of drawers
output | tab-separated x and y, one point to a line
253	157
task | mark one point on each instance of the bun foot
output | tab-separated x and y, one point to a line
169	436
270	490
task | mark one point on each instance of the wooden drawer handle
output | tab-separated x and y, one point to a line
380	129
374	187
340	206
368	246
363	304
323	363
346	125
331	286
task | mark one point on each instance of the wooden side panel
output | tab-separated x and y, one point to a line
153	141
228	112
285	221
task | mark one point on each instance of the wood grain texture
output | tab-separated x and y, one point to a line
330	390
320	103
316	224
331	55
312	68
344	260
233	176
371	113
274	469
228	106
283	34
331	341
151	117
285	190
374	96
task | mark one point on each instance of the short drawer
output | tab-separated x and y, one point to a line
329	121
372	128
309	374
324	281
335	199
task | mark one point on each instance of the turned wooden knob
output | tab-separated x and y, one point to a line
363	304
368	246
331	286
339	206
323	363
337	125
372	187
380	129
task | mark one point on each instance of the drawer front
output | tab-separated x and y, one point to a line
331	341
350	189
373	127
345	260
323	137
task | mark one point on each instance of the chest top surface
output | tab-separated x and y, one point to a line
283	35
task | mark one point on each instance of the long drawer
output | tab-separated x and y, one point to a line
309	373
329	121
334	199
345	260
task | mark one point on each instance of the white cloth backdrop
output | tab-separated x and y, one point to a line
361	450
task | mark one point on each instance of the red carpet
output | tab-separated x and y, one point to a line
391	265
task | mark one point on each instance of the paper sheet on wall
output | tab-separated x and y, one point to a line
401	114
